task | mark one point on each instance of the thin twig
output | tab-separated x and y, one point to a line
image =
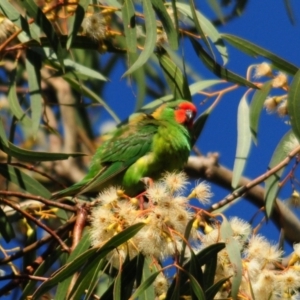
242	190
40	199
37	244
37	222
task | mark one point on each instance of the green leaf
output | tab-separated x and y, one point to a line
34	156
3	137
256	106
243	141
233	250
87	258
212	291
150	39
210	271
216	7
196	288
208	28
15	106
129	21
93	96
208	252
167	22
202	85
33	68
82	246
146	289
37	14
254	50
6	228
24	181
294	104
217	69
272	183
74	22
199	124
176	79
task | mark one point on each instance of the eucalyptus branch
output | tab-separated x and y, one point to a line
243	189
38	243
37	222
40	199
23	276
208	168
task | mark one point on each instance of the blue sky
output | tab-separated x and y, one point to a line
264	23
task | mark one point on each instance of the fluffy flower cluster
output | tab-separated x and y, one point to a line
262	273
165	215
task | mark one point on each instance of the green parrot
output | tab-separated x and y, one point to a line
147	146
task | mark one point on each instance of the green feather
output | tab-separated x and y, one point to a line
145	147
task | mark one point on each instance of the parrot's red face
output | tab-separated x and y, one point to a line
185	113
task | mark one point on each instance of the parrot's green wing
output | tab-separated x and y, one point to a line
128	144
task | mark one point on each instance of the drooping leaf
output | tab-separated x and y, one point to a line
82	246
150	39
197	292
216	7
207	27
254	50
294	104
128	13
175	77
167	23
146	289
33	67
202	85
211	292
256	106
34	156
272	183
24	181
289	11
6	229
243	141
217	69
210	271
74	22
37	14
87	258
93	96
233	250
15	106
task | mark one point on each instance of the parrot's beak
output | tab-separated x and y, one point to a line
189	115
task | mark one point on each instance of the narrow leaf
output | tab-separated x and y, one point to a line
208	28
175	77
217	69
254	50
256	106
74	22
243	141
93	96
167	22
33	68
128	13
294	104
82	246
196	288
87	258
37	14
34	156
150	39
15	106
24	181
272	183
233	250
6	228
212	290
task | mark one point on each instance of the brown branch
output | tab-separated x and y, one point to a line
38	243
40	199
209	169
23	276
79	225
37	222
